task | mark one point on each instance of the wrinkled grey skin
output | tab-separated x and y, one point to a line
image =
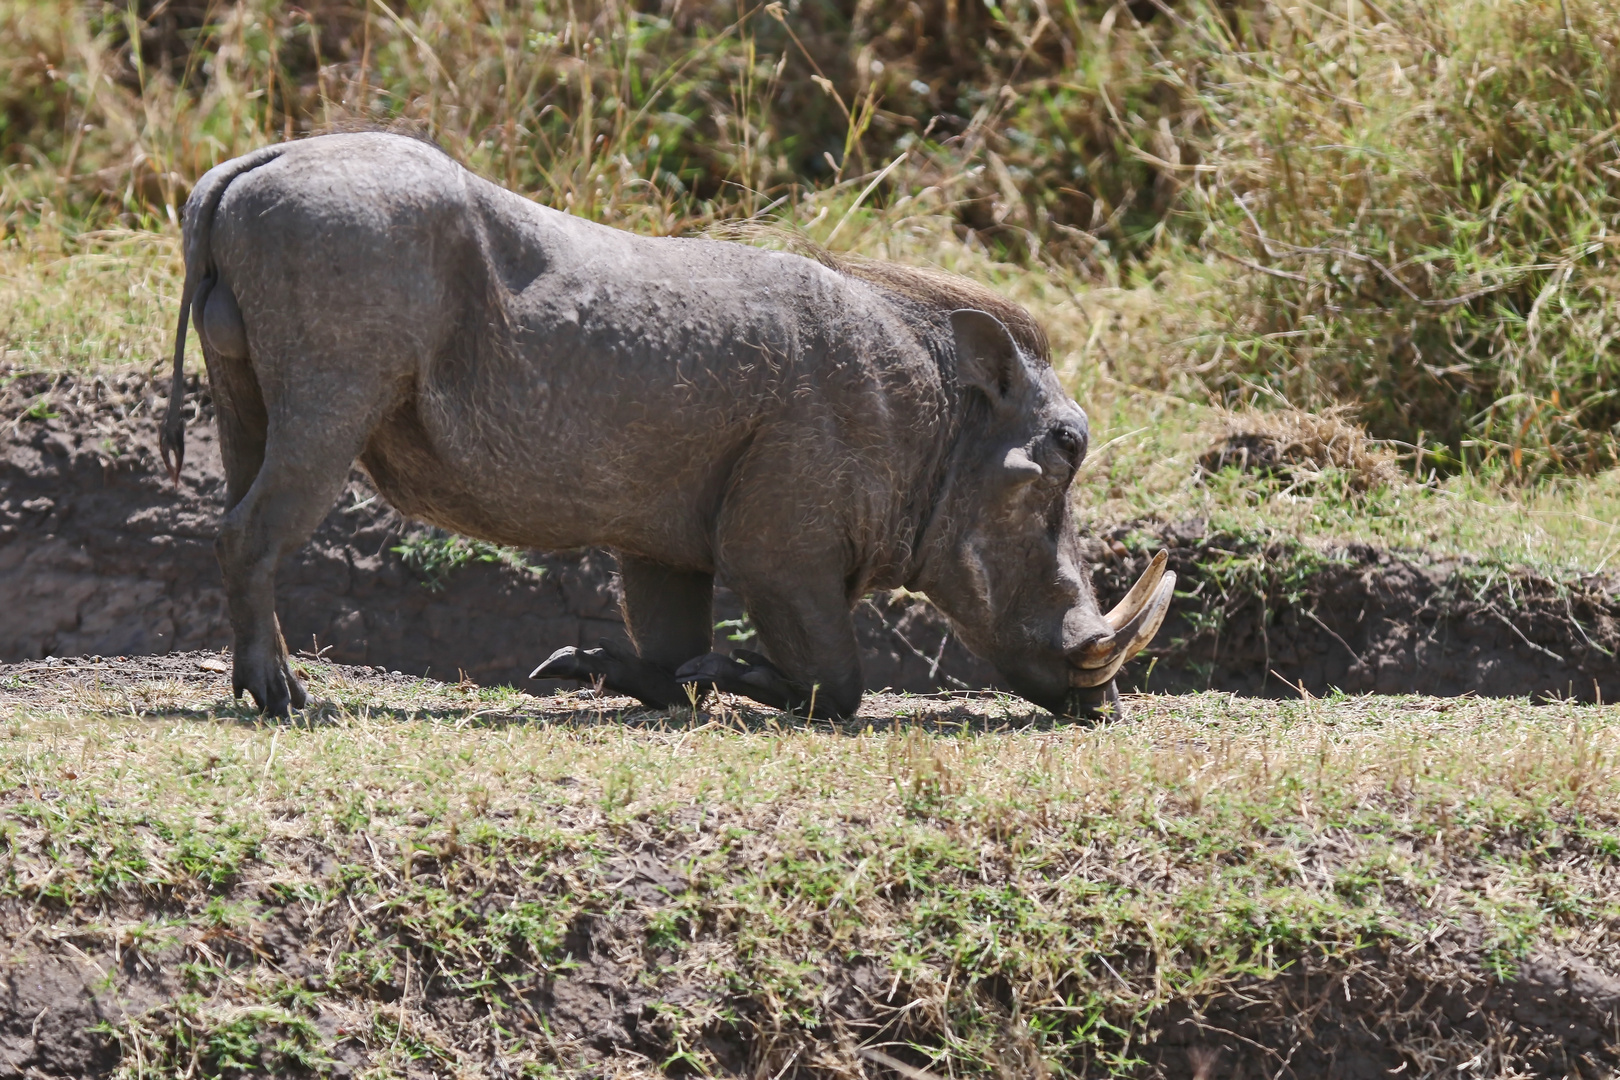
513	373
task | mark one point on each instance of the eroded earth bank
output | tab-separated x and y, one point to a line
99	555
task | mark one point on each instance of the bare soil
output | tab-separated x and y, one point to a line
100	555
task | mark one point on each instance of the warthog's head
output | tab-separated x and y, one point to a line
1002	557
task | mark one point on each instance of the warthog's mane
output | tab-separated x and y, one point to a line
945	292
937	290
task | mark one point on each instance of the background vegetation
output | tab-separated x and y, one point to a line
1407	206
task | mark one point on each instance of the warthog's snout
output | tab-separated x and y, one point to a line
1130	626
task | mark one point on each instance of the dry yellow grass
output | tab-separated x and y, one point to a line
1299	447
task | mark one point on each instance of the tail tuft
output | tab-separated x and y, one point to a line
172	436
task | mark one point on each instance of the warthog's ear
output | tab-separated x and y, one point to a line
986	356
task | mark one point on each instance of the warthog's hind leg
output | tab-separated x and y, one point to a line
305	457
669	614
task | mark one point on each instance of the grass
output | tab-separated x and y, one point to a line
1153	473
1405	207
1029	893
435	554
88	301
1420	196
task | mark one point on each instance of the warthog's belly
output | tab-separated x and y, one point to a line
461	476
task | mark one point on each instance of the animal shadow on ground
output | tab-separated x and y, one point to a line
196	687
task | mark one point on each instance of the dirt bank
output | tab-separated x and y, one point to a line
100	555
1369	1017
1272	619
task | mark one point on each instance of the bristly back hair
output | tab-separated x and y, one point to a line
938	289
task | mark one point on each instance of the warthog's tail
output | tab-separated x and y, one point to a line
198	229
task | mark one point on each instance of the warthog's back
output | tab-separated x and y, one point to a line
562	383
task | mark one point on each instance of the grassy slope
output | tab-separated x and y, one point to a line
1037	893
1030	892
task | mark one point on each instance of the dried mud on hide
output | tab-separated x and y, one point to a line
100	555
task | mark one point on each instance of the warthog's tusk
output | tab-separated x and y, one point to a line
1100	653
1102	660
1127	608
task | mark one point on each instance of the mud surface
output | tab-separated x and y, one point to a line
100	555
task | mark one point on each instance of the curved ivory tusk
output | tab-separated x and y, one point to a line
1128	608
1140	630
1100	653
1131	638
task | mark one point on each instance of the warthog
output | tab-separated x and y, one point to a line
809	431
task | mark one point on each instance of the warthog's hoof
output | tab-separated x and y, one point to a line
737	674
273	686
614	669
1093	703
747	674
579	665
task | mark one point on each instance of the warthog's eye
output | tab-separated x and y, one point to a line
1068	440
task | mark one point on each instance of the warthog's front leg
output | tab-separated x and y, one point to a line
814	667
669	614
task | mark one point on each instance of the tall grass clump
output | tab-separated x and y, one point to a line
1419	203
981	137
113	111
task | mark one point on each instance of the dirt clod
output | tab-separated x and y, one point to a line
1296	446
